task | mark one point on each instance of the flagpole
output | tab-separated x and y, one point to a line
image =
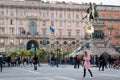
49	49
51	36
49	46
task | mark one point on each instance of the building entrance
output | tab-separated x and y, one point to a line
32	45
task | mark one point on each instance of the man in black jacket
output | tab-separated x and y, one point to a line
1	61
102	62
35	60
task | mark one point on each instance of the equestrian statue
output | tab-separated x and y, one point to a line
92	14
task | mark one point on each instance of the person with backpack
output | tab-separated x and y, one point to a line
79	58
77	61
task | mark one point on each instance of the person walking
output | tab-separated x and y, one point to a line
102	62
52	61
35	60
1	61
96	60
86	64
77	61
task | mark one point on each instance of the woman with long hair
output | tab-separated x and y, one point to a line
86	64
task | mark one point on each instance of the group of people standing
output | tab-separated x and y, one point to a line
77	61
16	61
101	62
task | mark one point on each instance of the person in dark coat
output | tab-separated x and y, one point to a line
96	60
101	62
76	61
1	61
110	61
35	60
71	60
52	61
8	60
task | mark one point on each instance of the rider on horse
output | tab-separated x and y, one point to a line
92	13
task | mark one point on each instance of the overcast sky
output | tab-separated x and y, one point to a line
105	2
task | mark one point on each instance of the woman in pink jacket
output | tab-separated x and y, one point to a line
87	63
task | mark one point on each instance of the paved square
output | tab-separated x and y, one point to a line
46	72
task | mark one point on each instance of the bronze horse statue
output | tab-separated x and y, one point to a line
92	14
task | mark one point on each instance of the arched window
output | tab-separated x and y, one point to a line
32	28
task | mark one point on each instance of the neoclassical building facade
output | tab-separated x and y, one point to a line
23	23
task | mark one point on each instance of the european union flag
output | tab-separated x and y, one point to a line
52	29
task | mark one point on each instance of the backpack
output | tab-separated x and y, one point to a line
78	58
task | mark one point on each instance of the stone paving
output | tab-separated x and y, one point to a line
63	72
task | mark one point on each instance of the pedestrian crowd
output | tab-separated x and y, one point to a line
101	61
